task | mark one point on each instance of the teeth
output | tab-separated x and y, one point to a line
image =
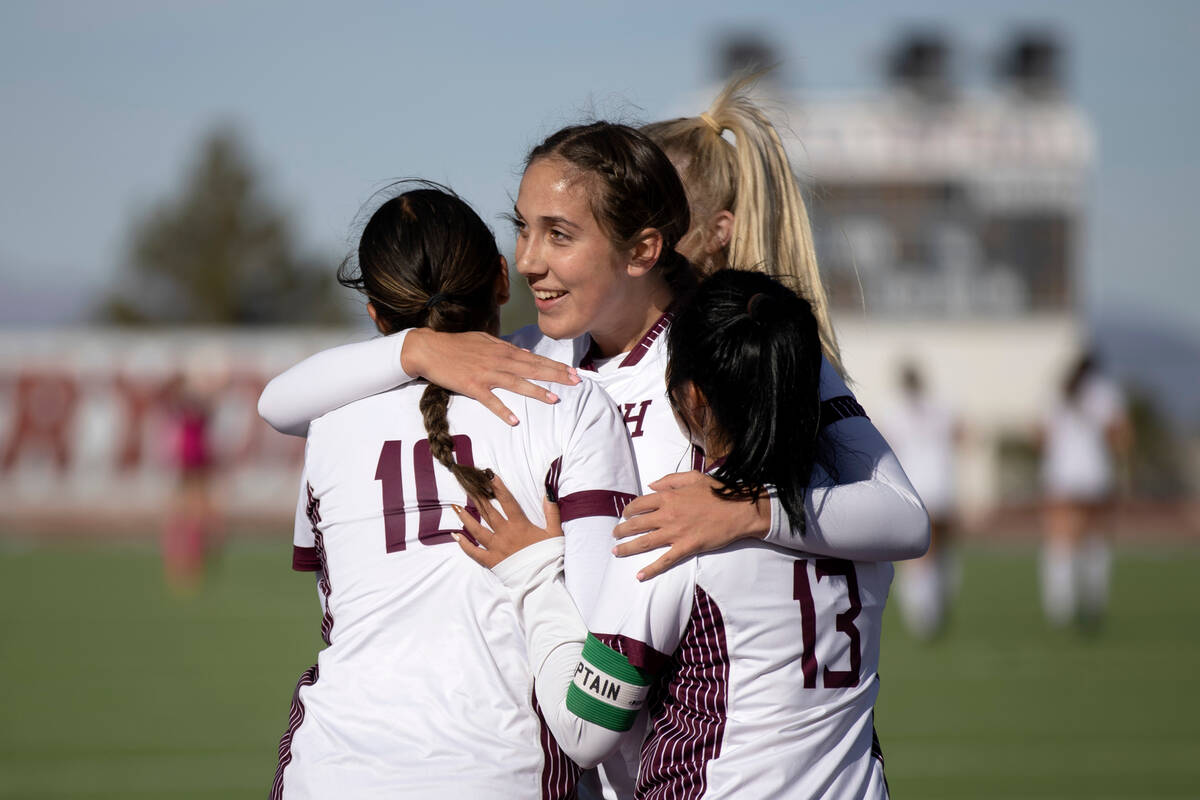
541	294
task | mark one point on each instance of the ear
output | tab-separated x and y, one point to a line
502	286
374	315
693	409
646	250
718	232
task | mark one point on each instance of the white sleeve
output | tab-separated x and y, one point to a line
590	688
592	483
331	379
304	545
869	511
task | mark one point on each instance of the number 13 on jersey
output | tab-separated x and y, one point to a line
843	621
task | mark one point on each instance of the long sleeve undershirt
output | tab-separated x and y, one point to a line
871	514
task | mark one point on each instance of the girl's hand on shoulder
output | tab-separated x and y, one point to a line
475	363
504	531
685	515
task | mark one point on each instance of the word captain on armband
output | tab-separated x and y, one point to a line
607	690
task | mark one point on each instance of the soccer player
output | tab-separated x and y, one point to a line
924	434
425	688
1082	433
757	666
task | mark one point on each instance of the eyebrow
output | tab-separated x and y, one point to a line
550	220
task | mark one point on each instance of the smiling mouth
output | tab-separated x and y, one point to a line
544	294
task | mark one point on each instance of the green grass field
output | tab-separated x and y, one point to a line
114	689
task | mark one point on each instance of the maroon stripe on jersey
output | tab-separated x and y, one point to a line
839	408
559	773
639	350
688	710
589	359
593	503
313	512
642	347
877	752
304	559
552	477
640	654
698	458
295	717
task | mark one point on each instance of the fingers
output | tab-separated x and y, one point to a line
492	403
664	563
642	505
508	503
639	524
474	552
642	544
676	480
487	511
472	526
539	368
553	518
531	390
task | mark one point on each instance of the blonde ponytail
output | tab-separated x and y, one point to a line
753	179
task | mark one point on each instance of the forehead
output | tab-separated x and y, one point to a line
551	186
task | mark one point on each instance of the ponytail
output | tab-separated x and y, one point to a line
749	345
753	179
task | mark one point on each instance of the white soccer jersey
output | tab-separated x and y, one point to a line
762	667
921	432
425	689
1077	463
636	381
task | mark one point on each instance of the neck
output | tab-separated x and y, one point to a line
632	321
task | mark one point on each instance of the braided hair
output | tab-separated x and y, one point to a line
426	260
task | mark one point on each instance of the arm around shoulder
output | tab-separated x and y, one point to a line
867	511
331	379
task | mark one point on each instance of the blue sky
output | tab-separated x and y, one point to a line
104	105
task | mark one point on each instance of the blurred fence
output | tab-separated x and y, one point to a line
88	431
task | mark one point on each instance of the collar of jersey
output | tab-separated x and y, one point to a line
639	350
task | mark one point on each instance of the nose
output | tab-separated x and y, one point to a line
529	261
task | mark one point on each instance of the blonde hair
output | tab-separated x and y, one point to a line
752	179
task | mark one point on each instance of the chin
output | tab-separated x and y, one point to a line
558	328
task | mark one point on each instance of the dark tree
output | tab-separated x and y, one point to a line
220	253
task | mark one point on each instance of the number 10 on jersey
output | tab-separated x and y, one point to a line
390	473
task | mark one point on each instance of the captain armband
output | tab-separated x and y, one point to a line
607	690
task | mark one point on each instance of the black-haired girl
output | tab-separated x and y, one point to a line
424	688
757	666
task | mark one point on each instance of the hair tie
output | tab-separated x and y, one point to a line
435	299
754	303
712	123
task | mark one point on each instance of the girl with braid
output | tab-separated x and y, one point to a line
425	688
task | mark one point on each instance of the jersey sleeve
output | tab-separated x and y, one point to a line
590	686
868	510
304	545
592	482
331	379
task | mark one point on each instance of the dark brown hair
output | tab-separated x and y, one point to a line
634	186
426	259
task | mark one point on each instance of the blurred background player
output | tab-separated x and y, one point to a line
924	433
1083	434
192	529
